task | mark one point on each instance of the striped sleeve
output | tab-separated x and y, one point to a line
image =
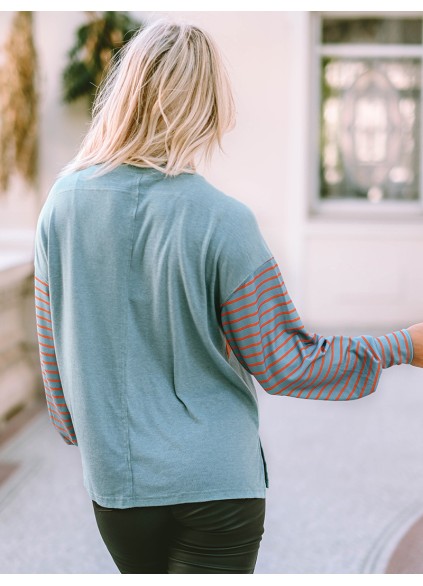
265	332
56	404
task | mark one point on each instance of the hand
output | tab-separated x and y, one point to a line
416	333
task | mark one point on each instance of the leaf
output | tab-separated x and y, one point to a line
102	36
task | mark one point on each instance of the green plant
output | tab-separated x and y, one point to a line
95	44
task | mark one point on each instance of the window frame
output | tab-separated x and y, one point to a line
349	207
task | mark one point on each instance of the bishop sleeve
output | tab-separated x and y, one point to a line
266	334
56	404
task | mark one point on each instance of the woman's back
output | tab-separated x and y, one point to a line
138	267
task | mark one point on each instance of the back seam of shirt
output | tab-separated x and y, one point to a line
125	356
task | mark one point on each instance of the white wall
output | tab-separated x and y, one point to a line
60	128
62	125
341	275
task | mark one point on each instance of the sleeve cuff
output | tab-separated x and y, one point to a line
396	348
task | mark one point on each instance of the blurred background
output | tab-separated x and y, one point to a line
327	152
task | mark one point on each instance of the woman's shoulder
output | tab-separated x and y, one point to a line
202	195
225	204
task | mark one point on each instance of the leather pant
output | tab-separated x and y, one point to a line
211	537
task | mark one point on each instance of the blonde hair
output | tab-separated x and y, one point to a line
166	97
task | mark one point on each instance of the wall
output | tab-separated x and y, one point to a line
61	128
18	206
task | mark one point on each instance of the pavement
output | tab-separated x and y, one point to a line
345	493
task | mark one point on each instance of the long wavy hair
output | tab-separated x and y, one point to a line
165	99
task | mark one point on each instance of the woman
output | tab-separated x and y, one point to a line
157	300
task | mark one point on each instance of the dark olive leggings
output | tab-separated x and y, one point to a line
212	537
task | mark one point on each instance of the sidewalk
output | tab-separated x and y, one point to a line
346	484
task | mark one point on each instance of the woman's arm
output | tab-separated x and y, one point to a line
267	336
56	404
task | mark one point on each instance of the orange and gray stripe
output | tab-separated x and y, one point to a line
266	334
56	404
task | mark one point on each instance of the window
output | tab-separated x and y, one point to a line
368	130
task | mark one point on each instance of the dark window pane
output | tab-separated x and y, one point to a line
372	30
370	128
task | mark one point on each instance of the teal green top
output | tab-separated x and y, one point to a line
157	300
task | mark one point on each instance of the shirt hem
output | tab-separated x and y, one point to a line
176	498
